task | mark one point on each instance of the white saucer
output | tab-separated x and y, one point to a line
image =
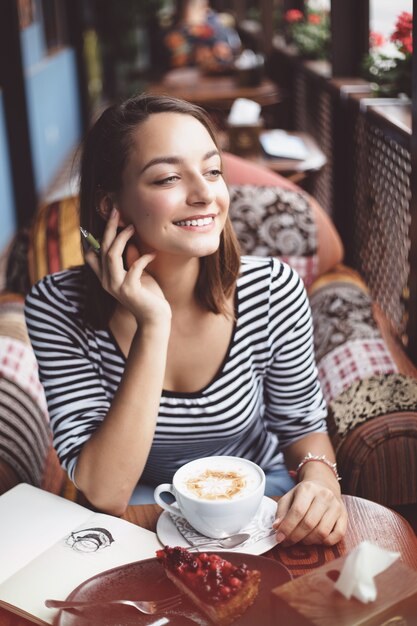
169	535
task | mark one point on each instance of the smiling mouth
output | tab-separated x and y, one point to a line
201	221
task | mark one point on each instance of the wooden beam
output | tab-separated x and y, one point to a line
350	36
12	81
267	24
412	283
239	10
293	4
74	15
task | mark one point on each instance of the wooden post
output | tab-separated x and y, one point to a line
294	4
12	81
239	10
412	283
267	23
350	36
74	15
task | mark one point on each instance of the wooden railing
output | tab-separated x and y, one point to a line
366	185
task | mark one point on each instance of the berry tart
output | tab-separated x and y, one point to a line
221	590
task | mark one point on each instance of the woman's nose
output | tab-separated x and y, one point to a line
200	191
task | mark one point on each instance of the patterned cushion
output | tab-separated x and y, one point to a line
373	397
277	222
348	344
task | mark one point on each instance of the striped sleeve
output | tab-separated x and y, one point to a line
77	402
294	403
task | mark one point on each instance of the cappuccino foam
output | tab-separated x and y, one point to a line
220	480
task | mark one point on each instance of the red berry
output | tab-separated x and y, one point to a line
235	582
225	591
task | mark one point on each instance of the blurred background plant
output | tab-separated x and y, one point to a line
388	64
309	32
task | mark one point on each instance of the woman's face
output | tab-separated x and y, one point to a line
173	190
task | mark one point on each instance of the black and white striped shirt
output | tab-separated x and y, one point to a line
265	395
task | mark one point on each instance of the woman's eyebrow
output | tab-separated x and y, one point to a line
172	160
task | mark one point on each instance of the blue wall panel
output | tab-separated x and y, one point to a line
54	113
32	44
8	223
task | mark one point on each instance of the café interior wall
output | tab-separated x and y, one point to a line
54	114
7	203
52	103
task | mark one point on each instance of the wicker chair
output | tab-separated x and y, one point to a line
369	383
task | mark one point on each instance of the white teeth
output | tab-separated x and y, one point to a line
202	221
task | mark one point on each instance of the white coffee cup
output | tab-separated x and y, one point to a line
217	495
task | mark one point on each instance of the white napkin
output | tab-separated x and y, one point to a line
244	112
259	528
361	566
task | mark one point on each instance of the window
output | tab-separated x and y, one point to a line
384	13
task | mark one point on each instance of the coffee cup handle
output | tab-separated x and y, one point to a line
165	487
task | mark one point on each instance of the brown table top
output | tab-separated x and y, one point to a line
367	520
314	161
215	91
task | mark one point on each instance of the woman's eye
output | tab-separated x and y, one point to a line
167	180
215	173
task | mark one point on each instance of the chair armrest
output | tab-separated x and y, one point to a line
371	390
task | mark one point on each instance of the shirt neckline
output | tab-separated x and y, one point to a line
167	393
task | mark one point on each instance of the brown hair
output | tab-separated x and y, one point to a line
104	155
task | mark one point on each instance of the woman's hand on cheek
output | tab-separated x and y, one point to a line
311	513
134	288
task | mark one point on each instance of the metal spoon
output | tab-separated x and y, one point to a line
228	542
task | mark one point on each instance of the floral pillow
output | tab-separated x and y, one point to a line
270	221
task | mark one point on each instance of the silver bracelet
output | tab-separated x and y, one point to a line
315	457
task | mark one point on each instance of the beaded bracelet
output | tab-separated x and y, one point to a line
315	457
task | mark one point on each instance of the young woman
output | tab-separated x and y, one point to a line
167	346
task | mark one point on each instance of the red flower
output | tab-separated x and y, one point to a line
293	15
376	39
403	34
407	45
314	18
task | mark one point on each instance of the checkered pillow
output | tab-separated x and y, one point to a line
270	221
348	344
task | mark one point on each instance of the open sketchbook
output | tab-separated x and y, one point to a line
49	545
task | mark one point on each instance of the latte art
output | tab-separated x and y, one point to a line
216	485
219	480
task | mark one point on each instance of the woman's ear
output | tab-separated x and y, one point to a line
105	206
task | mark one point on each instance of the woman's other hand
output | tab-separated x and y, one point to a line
135	289
313	512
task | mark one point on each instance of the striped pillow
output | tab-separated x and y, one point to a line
54	242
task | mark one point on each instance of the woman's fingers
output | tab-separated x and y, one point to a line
110	231
315	521
136	270
310	513
119	243
291	512
338	531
